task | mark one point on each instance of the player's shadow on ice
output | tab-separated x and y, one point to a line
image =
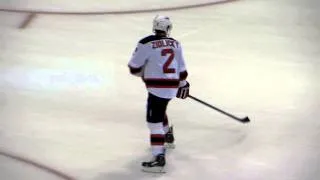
132	171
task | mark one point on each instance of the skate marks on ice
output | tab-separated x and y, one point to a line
32	13
220	137
37	165
180	166
188	160
213	130
2	45
131	170
113	11
25	23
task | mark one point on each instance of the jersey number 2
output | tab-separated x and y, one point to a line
166	65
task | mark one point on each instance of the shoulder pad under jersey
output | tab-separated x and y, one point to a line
153	38
149	39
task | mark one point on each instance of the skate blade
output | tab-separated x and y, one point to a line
154	170
170	146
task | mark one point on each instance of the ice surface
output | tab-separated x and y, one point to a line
67	99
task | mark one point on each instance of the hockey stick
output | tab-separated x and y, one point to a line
243	120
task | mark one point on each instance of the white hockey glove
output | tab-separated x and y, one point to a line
183	91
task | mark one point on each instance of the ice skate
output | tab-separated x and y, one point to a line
156	165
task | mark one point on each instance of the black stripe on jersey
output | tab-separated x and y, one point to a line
183	75
153	38
135	70
162	83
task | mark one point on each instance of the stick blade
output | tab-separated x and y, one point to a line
245	120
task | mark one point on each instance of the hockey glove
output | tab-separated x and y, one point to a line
183	92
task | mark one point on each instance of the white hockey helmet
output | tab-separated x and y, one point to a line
162	23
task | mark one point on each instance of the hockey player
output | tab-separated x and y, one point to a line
159	61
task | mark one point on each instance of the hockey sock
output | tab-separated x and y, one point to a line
157	138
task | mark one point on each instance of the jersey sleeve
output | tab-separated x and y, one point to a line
183	73
139	57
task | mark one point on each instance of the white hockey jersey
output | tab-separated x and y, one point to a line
161	64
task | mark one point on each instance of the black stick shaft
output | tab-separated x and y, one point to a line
215	108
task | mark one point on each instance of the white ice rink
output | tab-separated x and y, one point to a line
70	110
